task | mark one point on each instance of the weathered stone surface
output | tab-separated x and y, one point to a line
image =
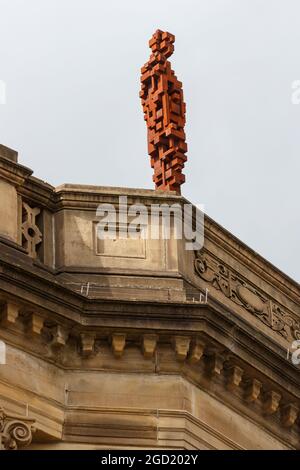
113	349
8	211
6	152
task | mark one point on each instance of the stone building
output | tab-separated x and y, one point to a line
123	335
141	343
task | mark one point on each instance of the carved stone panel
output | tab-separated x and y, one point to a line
31	234
246	295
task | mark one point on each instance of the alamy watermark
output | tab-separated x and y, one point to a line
157	221
2	92
293	353
295	96
2	353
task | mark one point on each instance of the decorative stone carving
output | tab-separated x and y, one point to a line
241	292
289	414
118	344
182	344
35	324
196	352
15	431
271	402
149	345
252	390
250	298
234	377
31	234
60	336
215	363
87	343
10	314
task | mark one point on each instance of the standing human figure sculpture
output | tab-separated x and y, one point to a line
164	111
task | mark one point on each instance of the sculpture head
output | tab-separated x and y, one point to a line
162	42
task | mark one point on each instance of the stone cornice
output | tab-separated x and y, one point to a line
73	314
45	284
13	172
48	287
86	197
38	192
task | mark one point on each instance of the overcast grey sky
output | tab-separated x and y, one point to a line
72	70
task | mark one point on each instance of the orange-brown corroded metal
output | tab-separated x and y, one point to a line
164	110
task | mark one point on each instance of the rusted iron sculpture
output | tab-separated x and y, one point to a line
164	110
